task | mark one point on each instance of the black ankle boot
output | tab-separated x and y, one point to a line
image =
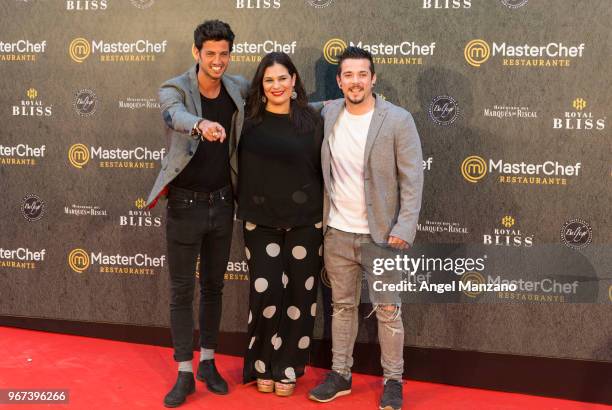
207	372
184	386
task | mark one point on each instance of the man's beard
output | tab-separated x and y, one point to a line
356	101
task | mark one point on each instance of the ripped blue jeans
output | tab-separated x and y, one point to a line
345	269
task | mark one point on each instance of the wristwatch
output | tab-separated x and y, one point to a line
195	131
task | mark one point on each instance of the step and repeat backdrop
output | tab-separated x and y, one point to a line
511	99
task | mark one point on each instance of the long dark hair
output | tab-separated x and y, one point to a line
302	116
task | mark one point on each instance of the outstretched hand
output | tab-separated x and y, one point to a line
212	131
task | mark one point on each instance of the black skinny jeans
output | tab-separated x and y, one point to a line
197	224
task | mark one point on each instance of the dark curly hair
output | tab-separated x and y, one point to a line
215	30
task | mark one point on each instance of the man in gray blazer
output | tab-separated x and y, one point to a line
203	110
373	172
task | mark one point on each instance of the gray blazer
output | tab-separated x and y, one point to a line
393	170
181	109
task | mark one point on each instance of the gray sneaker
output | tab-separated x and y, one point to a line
334	386
392	396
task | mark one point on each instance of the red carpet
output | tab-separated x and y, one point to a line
102	374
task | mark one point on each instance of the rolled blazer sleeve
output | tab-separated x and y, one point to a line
409	163
174	112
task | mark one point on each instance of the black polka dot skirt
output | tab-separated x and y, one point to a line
284	267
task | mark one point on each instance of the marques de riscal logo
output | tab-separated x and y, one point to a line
442	227
86	5
401	53
21	50
32	106
138	51
258	4
85	210
319	4
510	112
508	235
447	4
79	156
443	110
81	260
85	102
32	207
138	103
251	52
554	54
21	154
576	233
21	258
140	217
581	118
514	4
475	168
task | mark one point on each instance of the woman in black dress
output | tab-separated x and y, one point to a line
280	203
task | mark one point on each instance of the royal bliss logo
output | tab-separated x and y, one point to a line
477	52
507	234
580	118
85	102
140	217
81	261
576	233
86	5
258	4
21	258
475	168
403	52
447	4
32	207
79	155
21	50
21	154
443	110
32	106
80	49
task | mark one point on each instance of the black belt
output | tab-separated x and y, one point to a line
182	193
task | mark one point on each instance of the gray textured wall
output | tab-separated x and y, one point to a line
54	288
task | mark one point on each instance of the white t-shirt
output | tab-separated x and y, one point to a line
347	143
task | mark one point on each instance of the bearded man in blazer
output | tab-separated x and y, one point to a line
203	111
373	173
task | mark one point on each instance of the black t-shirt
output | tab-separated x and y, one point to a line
209	168
280	182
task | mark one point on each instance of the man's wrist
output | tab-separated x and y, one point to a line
195	131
